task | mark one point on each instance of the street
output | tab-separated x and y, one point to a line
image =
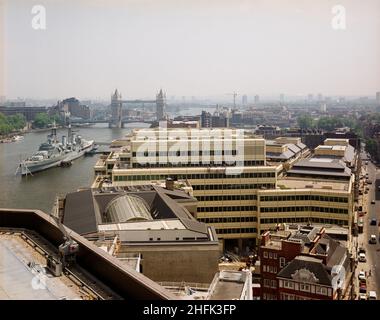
372	212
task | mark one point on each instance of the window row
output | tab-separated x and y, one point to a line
195	176
269	296
193	163
182	153
270	269
305	287
303	219
270	255
270	283
236	230
305	208
304	198
234	186
228	219
286	296
227	209
229	197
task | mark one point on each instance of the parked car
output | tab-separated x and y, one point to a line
372	239
372	295
373	222
363	287
362	257
361	250
361	275
362	296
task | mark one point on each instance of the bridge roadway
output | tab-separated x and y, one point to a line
74	121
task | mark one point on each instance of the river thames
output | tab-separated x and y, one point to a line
39	191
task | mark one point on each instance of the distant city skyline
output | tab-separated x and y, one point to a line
190	48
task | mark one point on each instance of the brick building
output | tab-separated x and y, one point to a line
304	263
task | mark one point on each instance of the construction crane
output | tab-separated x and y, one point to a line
234	94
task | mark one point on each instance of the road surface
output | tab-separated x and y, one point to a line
372	266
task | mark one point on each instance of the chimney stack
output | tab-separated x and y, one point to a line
169	184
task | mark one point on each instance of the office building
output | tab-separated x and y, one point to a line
28	112
244	100
240	201
227	192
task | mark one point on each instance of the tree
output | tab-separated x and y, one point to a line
41	120
330	123
305	122
11	123
371	147
17	121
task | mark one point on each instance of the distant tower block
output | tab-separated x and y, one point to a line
116	105
160	104
244	100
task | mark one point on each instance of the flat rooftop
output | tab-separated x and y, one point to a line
23	274
228	285
27	237
297	183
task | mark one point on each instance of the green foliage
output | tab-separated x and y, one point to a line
330	123
306	122
17	121
42	120
371	146
11	123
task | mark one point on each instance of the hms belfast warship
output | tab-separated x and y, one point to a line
53	153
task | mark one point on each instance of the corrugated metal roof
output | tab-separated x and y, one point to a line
127	207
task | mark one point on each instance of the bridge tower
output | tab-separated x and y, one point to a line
160	105
116	107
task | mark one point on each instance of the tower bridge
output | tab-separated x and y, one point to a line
117	107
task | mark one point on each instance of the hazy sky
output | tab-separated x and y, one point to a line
191	47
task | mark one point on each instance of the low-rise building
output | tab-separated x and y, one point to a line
337	149
231	285
285	150
148	226
304	262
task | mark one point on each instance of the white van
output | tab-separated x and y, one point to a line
372	295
